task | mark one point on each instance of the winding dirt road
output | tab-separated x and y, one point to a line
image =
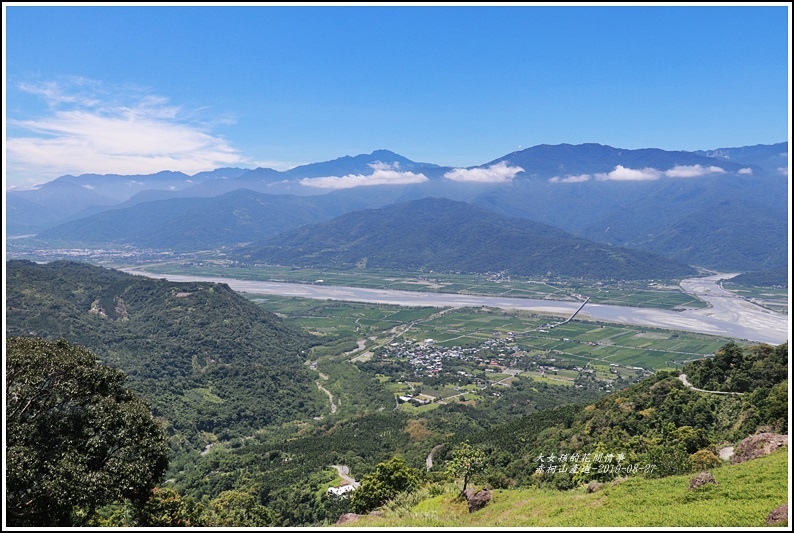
683	379
344	473
330	396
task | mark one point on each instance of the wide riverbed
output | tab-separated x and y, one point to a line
728	315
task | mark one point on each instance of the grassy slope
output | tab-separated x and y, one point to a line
745	495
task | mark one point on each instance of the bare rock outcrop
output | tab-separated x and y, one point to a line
778	515
478	500
347	518
701	479
725	453
593	486
758	445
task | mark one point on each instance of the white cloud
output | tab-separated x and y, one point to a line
622	173
570	179
89	187
379	177
380	165
53	93
783	170
88	131
692	171
747	170
498	173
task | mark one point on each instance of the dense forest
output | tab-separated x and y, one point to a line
735	370
451	236
778	277
657	422
209	360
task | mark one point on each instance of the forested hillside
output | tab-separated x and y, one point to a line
657	427
658	421
208	359
444	235
191	223
736	370
767	278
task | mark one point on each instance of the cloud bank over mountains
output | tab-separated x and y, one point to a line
498	173
390	174
83	126
621	173
383	174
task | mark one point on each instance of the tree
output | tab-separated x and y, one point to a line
238	509
167	508
703	460
389	479
466	462
77	439
667	460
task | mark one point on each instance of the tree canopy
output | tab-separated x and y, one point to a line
389	479
466	462
77	439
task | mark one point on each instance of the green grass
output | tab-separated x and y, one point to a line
744	496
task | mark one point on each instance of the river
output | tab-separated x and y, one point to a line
728	315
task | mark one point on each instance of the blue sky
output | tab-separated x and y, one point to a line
138	89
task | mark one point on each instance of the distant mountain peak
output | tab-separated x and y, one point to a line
382	152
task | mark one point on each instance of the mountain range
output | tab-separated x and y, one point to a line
725	208
438	234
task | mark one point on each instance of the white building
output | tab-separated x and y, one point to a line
341	491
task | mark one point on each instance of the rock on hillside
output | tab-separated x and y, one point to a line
778	515
758	445
701	479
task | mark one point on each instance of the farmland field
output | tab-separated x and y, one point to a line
775	299
603	346
634	294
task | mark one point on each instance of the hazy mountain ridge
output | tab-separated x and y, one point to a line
722	222
444	235
193	223
770	157
544	161
547	161
633	198
31	211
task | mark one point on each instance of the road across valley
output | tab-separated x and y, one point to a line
728	314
